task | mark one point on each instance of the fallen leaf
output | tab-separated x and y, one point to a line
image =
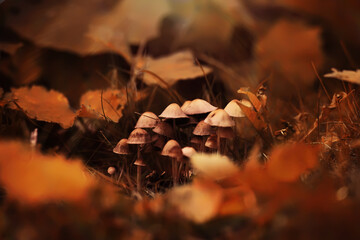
213	166
178	66
198	201
287	51
43	105
287	162
107	103
345	75
30	177
87	27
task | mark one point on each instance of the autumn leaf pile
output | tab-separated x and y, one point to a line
75	77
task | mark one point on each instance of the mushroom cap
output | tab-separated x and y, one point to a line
203	129
185	104
226	132
111	170
234	110
188	151
219	118
147	120
172	149
198	106
211	142
173	111
140	162
164	129
196	140
139	136
159	143
122	147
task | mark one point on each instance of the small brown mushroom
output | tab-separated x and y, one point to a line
173	150
203	130
173	111
122	147
147	120
234	110
111	170
164	129
219	118
211	142
139	137
198	106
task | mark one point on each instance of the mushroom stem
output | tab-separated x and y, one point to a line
138	172
174	172
138	178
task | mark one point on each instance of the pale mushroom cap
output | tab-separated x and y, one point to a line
173	111
139	136
140	162
185	104
211	142
122	147
111	170
198	106
203	129
164	129
219	118
188	151
226	132
172	149
147	120
234	110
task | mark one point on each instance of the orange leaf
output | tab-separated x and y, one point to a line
289	161
31	177
43	105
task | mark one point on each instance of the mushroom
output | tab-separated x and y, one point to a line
139	137
219	118
111	170
203	130
122	148
173	150
187	153
234	110
173	112
198	106
147	120
211	142
164	129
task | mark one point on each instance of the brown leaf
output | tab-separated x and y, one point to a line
253	99
88	27
178	66
30	177
254	117
288	49
43	105
107	103
287	162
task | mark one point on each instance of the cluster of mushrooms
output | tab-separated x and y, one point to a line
179	132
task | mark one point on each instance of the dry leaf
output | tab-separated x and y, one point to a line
178	66
43	105
288	49
198	202
253	99
87	27
107	103
213	166
256	120
346	75
30	177
287	162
